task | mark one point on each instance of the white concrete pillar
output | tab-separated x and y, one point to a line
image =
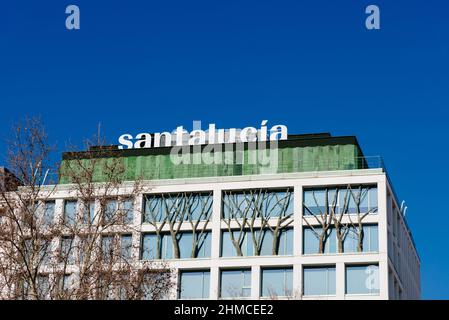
297	220
340	278
214	280
255	282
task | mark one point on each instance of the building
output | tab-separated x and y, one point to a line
320	222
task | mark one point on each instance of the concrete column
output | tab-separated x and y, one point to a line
383	237
297	281
255	282
216	219
214	280
340	278
297	220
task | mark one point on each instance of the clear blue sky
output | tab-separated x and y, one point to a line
312	65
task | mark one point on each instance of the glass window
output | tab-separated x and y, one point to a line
319	281
311	242
43	286
110	211
370	242
373	199
70	212
340	198
126	244
314	201
277	282
163	249
107	247
194	285
180	206
362	279
128	211
189	249
68	282
49	212
235	283
284	243
269	203
89	212
68	250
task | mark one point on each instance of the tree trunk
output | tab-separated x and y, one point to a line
194	244
158	248
175	247
321	244
274	250
360	240
340	241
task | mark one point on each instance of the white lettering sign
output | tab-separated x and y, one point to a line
181	137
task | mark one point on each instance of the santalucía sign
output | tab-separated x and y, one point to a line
181	137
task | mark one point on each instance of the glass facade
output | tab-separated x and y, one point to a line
319	281
251	223
194	285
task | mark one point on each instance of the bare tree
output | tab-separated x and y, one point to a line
172	210
339	211
324	216
256	212
87	253
358	196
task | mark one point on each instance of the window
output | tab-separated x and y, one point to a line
68	250
43	286
235	283
362	279
68	282
366	197
315	200
126	244
265	202
340	200
128	211
107	247
49	212
110	211
265	242
370	240
311	242
161	247
277	282
177	207
38	248
194	285
70	212
319	281
89	213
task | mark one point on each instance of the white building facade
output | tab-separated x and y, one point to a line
302	231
